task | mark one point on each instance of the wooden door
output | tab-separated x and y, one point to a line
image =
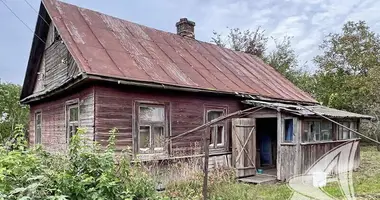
244	146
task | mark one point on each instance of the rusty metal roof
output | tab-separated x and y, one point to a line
108	46
300	110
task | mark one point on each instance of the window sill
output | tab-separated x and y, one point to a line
288	144
331	141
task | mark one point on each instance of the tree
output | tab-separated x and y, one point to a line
252	42
348	75
282	57
11	111
348	68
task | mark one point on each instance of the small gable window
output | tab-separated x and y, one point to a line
72	120
37	128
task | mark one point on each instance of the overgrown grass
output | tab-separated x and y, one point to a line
222	185
88	171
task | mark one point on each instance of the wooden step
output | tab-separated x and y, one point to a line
259	179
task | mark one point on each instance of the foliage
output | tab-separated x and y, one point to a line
348	75
223	186
282	57
11	111
85	172
252	42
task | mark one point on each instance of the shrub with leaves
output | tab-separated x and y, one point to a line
87	171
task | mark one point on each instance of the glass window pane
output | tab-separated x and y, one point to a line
72	130
211	115
38	119
345	131
326	130
314	128
288	130
220	135
212	135
144	138
152	114
38	128
73	114
159	138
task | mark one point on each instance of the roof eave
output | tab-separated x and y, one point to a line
125	81
75	81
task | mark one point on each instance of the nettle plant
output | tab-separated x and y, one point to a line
86	171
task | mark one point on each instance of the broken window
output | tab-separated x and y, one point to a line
72	120
289	127
217	131
37	128
315	131
151	129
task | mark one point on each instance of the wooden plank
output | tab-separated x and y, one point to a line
279	136
244	146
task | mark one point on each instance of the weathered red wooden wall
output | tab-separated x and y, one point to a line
114	108
53	118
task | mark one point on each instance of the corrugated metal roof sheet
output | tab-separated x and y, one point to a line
108	46
299	110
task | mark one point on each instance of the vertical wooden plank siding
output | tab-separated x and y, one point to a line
244	146
54	121
115	109
310	153
297	141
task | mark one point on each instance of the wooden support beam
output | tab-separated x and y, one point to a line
206	145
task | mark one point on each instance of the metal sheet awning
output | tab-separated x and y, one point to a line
300	110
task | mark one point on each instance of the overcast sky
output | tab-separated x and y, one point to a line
307	21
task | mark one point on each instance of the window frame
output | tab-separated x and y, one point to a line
70	105
306	122
352	124
213	137
294	120
36	113
166	124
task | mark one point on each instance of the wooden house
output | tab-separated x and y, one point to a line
91	70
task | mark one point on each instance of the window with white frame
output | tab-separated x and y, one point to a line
151	128
317	130
37	128
217	131
72	120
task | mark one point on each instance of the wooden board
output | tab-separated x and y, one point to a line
244	146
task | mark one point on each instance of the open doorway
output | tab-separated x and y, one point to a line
266	143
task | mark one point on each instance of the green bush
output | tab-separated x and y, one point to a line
86	172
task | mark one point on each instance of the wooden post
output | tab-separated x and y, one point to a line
206	140
279	140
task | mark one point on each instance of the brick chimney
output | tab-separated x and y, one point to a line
185	28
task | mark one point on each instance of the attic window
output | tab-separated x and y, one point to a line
53	36
37	128
72	120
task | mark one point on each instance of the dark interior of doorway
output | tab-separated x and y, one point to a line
266	143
